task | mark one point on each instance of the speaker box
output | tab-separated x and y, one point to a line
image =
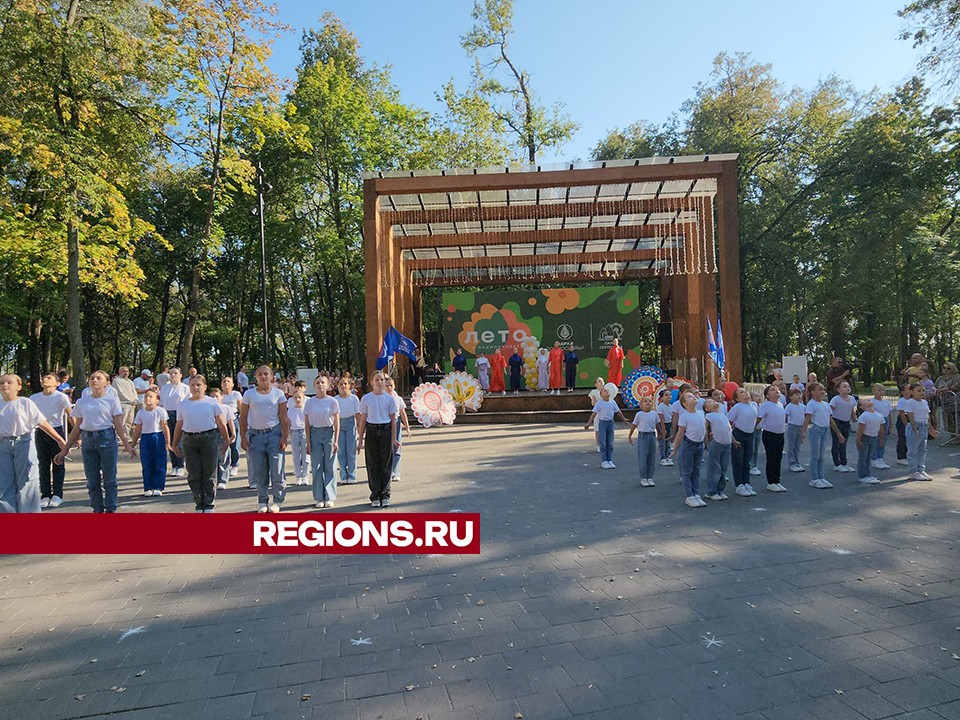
432	341
665	333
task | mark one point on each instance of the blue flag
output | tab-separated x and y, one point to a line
715	345
393	343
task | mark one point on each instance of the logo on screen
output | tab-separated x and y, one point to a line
565	332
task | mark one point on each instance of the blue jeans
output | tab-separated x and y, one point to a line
298	445
866	454
321	458
605	433
882	449
718	460
741	457
757	442
100	467
224	455
793	444
917	447
818	441
395	468
153	461
235	448
646	454
665	447
265	464
19	479
347	449
690	456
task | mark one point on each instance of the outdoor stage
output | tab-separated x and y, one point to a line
535	407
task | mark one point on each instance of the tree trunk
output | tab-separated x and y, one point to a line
35	326
116	339
162	331
190	319
355	338
298	322
74	332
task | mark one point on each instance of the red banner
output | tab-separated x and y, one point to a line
244	534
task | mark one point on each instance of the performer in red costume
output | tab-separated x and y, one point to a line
614	361
498	363
556	368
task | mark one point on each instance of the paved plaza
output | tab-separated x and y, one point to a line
592	598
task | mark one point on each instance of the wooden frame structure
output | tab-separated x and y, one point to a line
675	218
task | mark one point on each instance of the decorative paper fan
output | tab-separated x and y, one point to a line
612	389
645	381
433	405
678	381
464	389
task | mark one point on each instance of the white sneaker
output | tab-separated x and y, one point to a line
875	464
926	475
605	465
221	486
395	478
884	465
181	472
375	504
700	500
274	508
234	472
320	504
598	448
796	468
716	496
776	487
902	462
751	490
742	490
838	468
849	469
262	509
821	484
692	501
869	480
329	504
610	465
669	462
44	502
384	503
755	471
724	496
56	501
664	462
148	493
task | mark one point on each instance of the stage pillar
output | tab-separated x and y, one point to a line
728	246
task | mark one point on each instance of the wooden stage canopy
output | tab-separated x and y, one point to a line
675	218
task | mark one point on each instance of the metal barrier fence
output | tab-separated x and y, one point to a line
947	406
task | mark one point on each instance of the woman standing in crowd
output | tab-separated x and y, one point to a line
150	428
498	363
543	370
349	405
19	418
483	372
199	420
100	418
55	406
948	388
321	415
264	429
234	400
378	425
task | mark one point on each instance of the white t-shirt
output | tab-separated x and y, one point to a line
263	410
605	409
646	421
232	399
773	417
20	416
162	379
53	406
229	415
919	408
140	384
871	422
96	413
743	416
199	415
378	408
666	412
242	379
819	412
677	409
151	421
320	410
296	414
171	395
349	406
399	402
795	413
798	386
694	424
882	407
843	409
108	390
720	428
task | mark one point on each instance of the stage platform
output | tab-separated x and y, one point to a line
535	407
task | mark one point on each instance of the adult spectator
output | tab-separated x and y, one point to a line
127	395
242	379
65	387
143	383
948	388
163	377
459	361
839	372
911	373
171	395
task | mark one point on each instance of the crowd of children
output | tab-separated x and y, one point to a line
725	436
201	430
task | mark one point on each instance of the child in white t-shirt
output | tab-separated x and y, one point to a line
884	408
605	411
649	427
719	451
151	429
870	435
688	445
796	413
298	432
224	450
918	424
666	415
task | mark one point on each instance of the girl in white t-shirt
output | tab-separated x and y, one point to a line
870	434
743	417
402	424
150	428
234	400
688	446
199	421
918	425
321	415
264	429
224	451
594	398
666	415
818	423
772	420
378	425
605	411
795	412
347	443
298	432
884	408
99	418
55	406
649	426
844	411
19	418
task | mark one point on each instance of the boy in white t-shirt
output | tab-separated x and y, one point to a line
871	434
649	425
605	411
719	451
884	408
795	411
55	406
665	408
